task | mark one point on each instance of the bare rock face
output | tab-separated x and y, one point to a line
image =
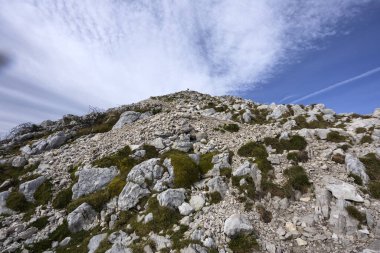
92	179
82	218
236	224
3	206
131	195
355	166
19	162
343	190
171	198
126	118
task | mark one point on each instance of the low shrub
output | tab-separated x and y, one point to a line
297	178
295	142
248	189
151	151
17	202
186	172
338	158
40	223
243	243
96	199
63	198
205	163
116	186
357	179
372	165
366	139
43	193
232	128
265	216
297	157
214	197
361	130
274	189
374	189
253	149
356	214
335	136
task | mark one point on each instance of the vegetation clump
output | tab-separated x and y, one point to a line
232	128
40	223
253	149
295	142
248	186
338	158
265	215
335	136
205	162
243	243
356	214
357	179
298	156
372	165
63	198
214	197
297	178
17	202
186	172
360	130
366	139
43	193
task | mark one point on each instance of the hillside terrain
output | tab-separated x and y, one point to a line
192	173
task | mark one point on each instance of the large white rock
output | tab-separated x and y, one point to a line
278	112
236	224
92	179
161	242
148	170
343	190
19	162
127	117
171	197
29	188
95	241
217	184
185	209
3	203
82	218
131	195
376	113
197	202
355	166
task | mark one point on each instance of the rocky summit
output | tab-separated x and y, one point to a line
192	173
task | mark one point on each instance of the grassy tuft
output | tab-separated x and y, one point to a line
295	142
205	163
151	151
357	179
253	149
361	130
248	189
374	189
214	197
356	214
186	172
17	202
335	136
265	216
372	165
366	139
297	157
231	127
43	193
40	223
297	178
63	198
243	243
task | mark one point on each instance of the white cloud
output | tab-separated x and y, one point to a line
109	52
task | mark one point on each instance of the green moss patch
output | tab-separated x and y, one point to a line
186	172
205	163
43	193
297	178
295	142
319	123
243	243
17	202
366	139
63	198
232	128
265	215
335	136
253	149
40	223
356	214
298	156
214	197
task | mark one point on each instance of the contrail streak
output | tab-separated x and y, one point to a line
336	85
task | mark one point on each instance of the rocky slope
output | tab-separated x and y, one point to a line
188	172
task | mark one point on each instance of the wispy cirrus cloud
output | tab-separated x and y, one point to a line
106	53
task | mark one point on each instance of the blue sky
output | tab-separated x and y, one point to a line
62	56
354	51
